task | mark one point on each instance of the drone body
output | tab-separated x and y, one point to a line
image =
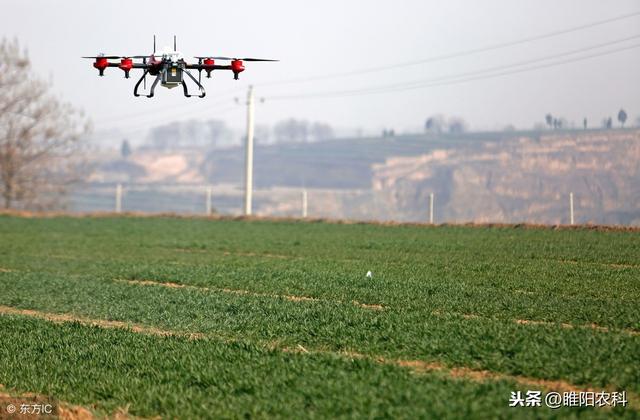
169	67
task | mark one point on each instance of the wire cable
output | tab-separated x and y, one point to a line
454	79
455	54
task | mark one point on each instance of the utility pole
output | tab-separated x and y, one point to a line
208	201
248	168
304	203
571	219
118	198
431	208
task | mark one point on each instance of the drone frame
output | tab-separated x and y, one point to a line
160	66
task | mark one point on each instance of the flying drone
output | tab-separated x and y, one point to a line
169	67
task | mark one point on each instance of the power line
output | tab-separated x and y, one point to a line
459	78
453	55
489	69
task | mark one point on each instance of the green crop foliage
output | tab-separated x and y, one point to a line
452	295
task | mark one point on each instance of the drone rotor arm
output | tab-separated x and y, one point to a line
241	59
205	67
108	57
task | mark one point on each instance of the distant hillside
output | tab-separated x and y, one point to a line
341	163
483	177
528	179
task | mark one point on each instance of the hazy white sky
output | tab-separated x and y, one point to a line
326	37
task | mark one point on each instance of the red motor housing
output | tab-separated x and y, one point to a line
208	62
101	64
237	68
125	65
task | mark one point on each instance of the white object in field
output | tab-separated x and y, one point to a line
369	274
571	208
248	168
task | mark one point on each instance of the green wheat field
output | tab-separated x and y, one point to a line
191	318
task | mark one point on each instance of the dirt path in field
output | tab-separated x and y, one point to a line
591	326
254	254
141	215
292	298
60	409
596	263
416	366
234	253
61	318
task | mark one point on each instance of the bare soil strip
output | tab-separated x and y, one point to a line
569	326
233	253
292	298
103	323
416	366
601	264
419	366
64	411
254	254
591	326
130	214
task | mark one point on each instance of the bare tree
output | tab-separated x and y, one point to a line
39	136
321	131
218	132
457	125
291	131
434	124
125	149
622	117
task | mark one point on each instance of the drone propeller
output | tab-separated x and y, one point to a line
241	59
109	57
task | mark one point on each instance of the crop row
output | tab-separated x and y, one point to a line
579	355
181	378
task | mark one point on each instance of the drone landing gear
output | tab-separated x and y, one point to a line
186	91
153	86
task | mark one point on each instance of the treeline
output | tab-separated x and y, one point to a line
216	133
556	123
